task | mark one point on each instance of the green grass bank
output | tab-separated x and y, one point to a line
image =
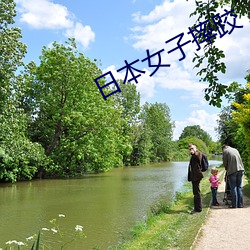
170	226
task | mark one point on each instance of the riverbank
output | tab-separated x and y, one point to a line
175	228
172	227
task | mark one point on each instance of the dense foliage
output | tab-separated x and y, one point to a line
54	122
78	131
19	157
234	121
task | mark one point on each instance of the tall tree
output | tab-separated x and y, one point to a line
12	51
241	115
20	158
78	129
128	101
229	130
157	121
142	145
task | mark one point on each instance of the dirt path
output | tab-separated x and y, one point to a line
225	228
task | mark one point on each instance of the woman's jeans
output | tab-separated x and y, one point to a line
214	196
235	182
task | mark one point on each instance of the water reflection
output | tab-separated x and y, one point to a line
105	204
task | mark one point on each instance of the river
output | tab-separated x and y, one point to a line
105	204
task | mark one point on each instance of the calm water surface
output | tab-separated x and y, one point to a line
104	204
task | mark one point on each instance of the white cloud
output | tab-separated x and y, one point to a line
153	30
161	11
237	50
207	122
161	24
145	85
83	34
44	14
171	18
175	77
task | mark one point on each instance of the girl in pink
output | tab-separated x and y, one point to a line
214	186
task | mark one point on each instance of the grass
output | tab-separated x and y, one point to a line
246	188
170	226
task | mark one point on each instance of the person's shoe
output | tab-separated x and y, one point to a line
241	206
194	212
231	206
217	204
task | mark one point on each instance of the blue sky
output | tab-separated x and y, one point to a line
112	31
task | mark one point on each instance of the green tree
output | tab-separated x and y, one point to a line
128	101
229	130
78	129
12	50
20	158
227	127
211	60
142	145
242	117
215	147
183	144
157	122
196	131
233	126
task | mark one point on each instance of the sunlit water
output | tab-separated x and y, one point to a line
105	204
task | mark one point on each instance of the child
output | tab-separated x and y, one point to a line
214	185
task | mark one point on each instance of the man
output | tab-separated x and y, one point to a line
195	175
235	169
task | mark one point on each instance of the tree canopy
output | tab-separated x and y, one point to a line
78	130
201	146
196	131
19	157
234	123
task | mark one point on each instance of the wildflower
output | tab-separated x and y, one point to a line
10	242
54	230
20	243
78	228
29	238
45	229
61	215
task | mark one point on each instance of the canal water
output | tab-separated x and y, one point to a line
105	204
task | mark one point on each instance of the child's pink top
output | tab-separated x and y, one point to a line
214	181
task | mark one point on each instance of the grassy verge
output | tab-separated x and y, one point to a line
170	227
246	188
